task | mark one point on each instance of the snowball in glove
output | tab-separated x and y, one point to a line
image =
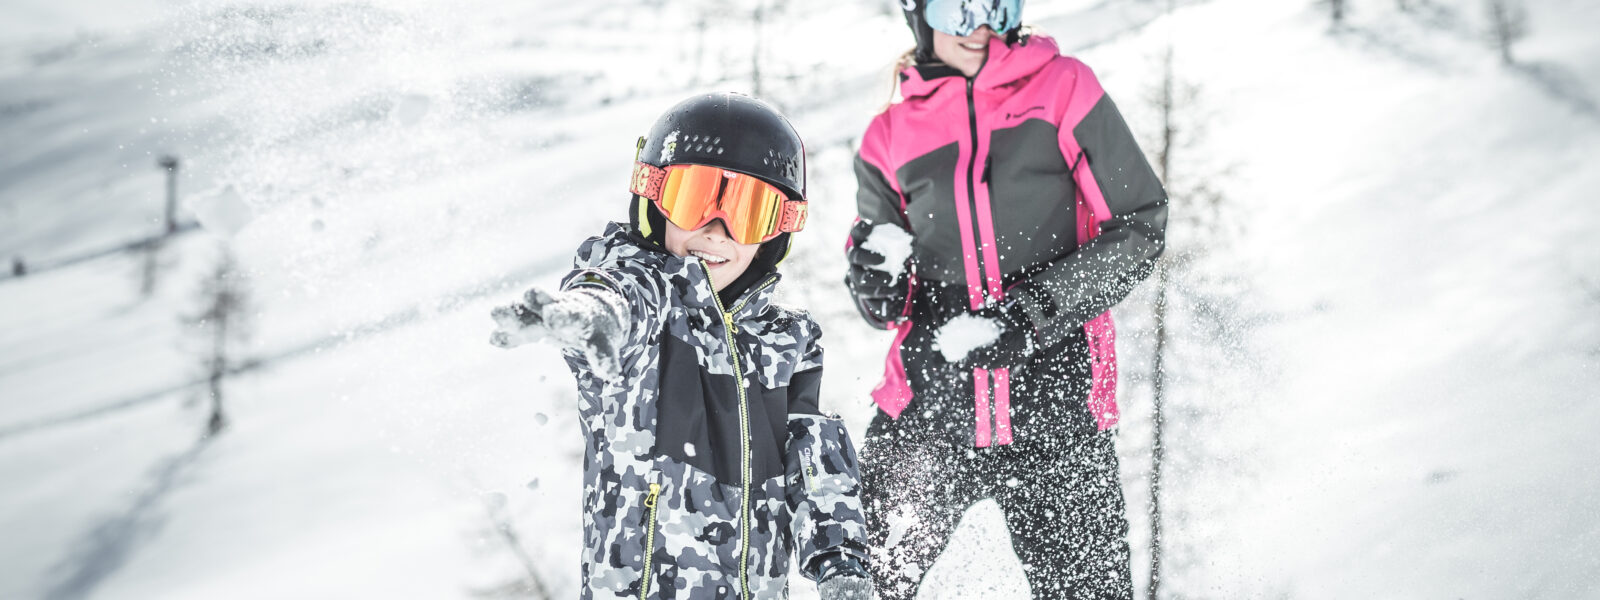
582	319
878	279
993	337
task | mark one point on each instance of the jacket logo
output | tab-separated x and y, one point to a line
810	470
1018	115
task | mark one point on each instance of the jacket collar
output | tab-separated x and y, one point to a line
1006	64
687	275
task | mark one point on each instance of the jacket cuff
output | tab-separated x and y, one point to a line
1035	309
839	563
836	561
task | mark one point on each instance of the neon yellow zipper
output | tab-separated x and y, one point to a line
744	429
649	538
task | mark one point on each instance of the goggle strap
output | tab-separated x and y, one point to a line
794	216
648	180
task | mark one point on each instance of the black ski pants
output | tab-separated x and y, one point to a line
1062	501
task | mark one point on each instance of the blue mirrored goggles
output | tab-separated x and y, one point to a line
962	17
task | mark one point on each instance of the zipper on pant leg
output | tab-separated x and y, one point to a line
649	538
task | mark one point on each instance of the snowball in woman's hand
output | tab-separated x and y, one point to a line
963	334
893	244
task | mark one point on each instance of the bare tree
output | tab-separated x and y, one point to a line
1195	319
1336	11
152	259
501	525
758	20
170	163
1166	104
1508	24
701	25
222	324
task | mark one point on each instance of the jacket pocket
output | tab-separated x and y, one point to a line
650	501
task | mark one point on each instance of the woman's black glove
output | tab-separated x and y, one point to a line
879	286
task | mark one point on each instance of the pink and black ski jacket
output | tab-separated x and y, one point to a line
1021	184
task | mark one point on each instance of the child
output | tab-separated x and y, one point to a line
707	459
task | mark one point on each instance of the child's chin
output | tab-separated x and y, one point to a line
725	271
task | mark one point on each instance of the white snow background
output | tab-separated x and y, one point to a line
1410	412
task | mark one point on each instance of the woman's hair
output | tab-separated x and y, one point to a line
908	59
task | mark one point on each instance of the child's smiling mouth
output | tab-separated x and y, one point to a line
711	259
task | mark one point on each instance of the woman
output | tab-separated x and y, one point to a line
1030	211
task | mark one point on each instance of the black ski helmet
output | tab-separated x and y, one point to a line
920	30
730	131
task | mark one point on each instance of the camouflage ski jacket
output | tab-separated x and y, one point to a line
709	463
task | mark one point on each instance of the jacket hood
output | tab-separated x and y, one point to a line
1007	64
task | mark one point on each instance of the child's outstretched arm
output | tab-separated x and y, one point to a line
824	490
588	319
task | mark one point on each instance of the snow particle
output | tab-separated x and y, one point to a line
410	108
668	146
222	213
494	500
899	522
540	418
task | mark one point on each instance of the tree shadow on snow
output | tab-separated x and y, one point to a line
1562	84
110	544
1395	46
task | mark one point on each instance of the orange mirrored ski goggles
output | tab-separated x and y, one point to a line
692	195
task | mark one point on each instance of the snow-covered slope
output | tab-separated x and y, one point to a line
1414	228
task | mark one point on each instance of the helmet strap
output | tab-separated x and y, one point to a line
645	220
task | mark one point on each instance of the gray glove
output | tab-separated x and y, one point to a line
587	320
842	577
